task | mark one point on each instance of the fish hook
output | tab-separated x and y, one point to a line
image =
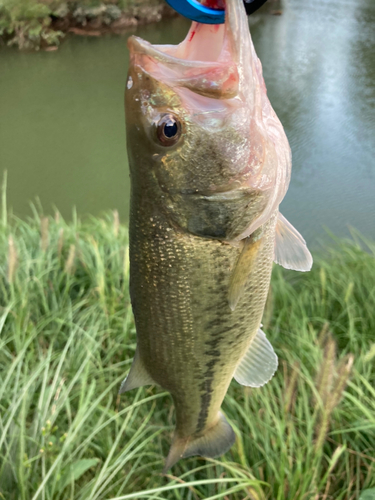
202	14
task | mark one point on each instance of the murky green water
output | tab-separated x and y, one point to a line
62	133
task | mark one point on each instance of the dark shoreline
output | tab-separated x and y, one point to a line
46	27
96	26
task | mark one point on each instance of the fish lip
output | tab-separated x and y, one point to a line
142	47
229	194
217	79
225	195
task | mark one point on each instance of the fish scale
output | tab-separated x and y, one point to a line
210	164
182	314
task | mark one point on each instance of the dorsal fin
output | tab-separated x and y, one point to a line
242	270
137	376
259	364
291	251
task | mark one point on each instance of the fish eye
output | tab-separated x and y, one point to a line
168	130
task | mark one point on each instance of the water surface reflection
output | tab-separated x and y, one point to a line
62	121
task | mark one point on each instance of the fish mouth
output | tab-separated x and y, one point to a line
208	61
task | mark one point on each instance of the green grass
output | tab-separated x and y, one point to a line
67	338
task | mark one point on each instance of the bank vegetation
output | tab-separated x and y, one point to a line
42	24
67	338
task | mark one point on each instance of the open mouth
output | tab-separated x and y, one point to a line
203	43
206	62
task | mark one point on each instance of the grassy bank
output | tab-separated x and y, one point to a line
35	24
67	340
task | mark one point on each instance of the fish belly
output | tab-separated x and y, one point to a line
189	340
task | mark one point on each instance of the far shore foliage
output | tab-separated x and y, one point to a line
41	24
67	339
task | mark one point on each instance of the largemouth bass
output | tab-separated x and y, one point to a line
210	164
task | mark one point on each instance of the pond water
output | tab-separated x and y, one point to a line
62	132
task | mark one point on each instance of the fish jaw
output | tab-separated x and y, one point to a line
212	60
232	139
211	75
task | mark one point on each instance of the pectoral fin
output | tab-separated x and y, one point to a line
137	376
242	271
259	364
291	251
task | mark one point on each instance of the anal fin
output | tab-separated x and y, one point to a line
216	441
291	251
137	376
259	364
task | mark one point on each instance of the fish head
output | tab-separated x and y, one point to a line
202	135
